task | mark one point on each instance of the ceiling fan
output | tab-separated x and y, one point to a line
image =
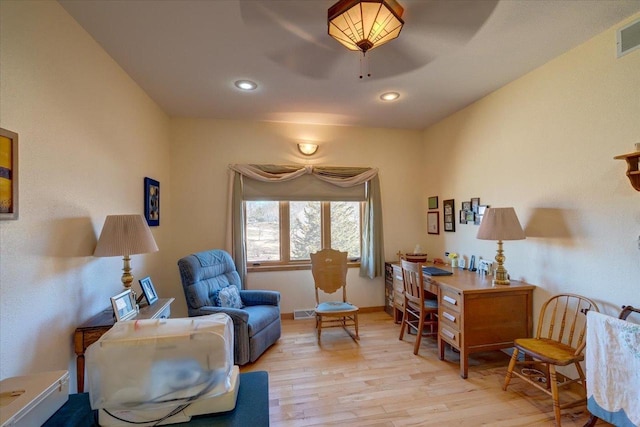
431	28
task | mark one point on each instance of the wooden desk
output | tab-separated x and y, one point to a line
475	316
91	330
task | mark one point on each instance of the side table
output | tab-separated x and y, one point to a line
91	330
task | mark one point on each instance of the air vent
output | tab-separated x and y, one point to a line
307	313
628	38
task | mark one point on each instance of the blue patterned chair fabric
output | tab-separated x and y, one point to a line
256	325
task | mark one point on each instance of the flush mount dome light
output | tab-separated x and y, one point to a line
390	96
365	24
245	84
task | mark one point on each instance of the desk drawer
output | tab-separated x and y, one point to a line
450	299
449	317
450	335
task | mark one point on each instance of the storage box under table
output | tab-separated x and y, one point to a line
30	400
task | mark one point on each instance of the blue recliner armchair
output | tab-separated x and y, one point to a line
256	325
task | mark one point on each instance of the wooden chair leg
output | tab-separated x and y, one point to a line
356	322
592	421
416	346
554	394
404	324
512	364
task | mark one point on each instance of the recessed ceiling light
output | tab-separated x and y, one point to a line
390	96
245	84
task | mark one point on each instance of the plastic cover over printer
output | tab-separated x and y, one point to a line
163	371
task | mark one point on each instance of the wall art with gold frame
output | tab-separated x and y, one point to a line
8	174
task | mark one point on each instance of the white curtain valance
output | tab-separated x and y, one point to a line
372	257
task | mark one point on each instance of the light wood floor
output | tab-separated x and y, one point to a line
379	382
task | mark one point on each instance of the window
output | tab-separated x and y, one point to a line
286	232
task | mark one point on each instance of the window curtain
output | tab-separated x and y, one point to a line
372	260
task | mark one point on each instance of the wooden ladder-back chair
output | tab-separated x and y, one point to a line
329	269
559	341
419	312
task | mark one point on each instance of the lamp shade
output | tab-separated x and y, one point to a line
124	235
500	224
365	24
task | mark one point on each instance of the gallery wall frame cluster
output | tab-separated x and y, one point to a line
471	212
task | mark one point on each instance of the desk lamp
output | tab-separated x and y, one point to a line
124	235
500	224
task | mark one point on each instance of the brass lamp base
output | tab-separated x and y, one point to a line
502	277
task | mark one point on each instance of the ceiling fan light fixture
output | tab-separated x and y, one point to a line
390	96
245	84
365	24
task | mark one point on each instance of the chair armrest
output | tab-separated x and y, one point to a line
260	297
236	314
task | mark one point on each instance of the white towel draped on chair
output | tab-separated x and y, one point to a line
613	369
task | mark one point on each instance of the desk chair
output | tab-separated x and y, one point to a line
419	311
559	341
329	269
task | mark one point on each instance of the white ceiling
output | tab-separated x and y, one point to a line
186	54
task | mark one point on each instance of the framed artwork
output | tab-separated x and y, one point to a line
448	207
8	174
433	223
470	216
152	202
463	216
124	305
433	202
466	206
475	202
478	216
148	290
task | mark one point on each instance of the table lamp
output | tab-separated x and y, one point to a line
500	224
125	235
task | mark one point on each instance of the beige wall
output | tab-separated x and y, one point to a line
203	149
88	137
544	144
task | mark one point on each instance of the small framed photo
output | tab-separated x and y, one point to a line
152	202
8	174
148	290
124	305
449	215
475	202
466	206
463	216
433	225
433	202
478	218
470	216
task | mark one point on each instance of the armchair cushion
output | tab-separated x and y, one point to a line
206	275
228	297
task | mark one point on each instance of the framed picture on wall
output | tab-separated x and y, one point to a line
433	223
8	174
433	202
152	202
475	202
449	215
463	216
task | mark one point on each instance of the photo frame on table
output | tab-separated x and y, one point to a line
152	202
433	202
148	290
8	174
433	223
124	305
448	207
